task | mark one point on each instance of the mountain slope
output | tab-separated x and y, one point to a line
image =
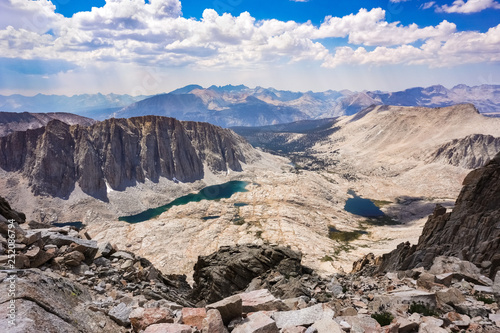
214	109
13	121
118	153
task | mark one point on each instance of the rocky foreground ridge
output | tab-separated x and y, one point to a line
65	282
117	153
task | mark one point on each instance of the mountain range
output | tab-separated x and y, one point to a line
95	106
230	105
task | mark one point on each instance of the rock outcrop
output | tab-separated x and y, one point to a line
118	153
471	231
7	212
471	152
14	122
232	269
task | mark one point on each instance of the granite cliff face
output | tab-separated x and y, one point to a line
470	232
118	153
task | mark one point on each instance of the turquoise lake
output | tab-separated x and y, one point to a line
213	192
362	207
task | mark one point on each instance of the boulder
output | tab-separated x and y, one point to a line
38	257
141	318
120	314
31	237
169	328
361	323
430	328
426	281
73	258
104	249
450	296
296	303
303	317
406	326
229	308
349	311
193	316
212	323
257	323
261	300
327	325
123	255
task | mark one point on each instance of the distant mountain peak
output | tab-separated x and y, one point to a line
228	88
186	90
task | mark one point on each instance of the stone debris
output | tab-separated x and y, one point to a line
75	284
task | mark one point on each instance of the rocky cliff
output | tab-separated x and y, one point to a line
13	121
470	152
471	231
118	153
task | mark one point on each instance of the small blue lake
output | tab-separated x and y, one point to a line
213	192
362	207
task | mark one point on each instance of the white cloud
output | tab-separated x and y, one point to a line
37	16
458	49
427	5
370	28
155	33
397	1
469	6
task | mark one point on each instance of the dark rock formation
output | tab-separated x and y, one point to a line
471	152
119	152
470	232
9	213
231	269
14	122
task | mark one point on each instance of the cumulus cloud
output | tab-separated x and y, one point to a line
458	49
468	6
155	33
37	16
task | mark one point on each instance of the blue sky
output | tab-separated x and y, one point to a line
147	47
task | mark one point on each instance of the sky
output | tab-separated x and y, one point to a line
145	47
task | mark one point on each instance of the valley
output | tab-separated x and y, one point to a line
392	155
